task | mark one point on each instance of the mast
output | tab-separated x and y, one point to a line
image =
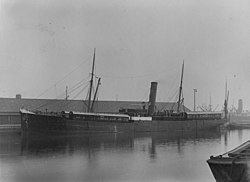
152	98
66	98
226	90
92	106
226	101
91	81
180	91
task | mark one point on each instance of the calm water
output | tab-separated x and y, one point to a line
174	157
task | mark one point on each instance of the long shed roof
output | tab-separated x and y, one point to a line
14	105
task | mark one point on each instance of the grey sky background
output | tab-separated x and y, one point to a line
48	45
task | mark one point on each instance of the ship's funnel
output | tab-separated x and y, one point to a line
152	98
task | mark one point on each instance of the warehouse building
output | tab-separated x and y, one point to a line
9	107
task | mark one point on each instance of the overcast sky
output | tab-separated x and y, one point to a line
47	45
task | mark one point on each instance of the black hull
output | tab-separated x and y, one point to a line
230	169
48	123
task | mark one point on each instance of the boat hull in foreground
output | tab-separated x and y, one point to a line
232	166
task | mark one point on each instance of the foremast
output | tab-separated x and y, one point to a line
180	90
91	106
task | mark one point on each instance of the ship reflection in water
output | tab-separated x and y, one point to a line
174	157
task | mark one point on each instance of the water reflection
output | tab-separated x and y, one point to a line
114	157
34	144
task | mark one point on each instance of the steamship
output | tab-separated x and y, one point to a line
239	119
91	122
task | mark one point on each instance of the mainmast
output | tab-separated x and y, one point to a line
91	82
180	91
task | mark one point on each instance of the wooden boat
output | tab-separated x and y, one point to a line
232	166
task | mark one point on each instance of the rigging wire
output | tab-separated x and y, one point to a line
75	88
174	96
146	96
70	90
76	68
87	95
130	77
78	85
182	105
174	104
74	97
79	92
